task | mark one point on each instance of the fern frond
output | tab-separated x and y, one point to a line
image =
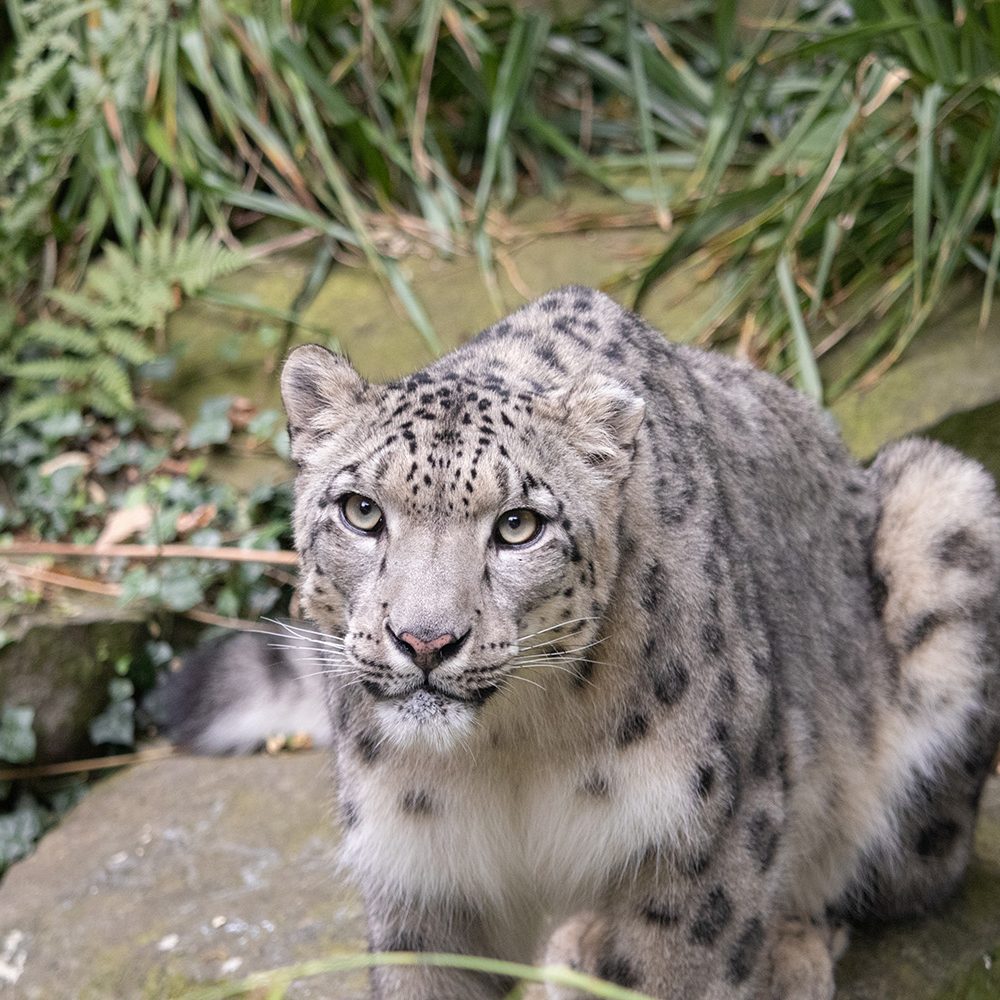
96	399
111	377
127	345
38	408
101	336
192	263
51	333
49	369
116	298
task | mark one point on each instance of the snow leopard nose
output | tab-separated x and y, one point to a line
427	652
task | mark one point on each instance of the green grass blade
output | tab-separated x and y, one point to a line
940	34
384	266
517	64
845	43
808	373
418	317
556	140
247	304
641	87
922	179
994	262
558	975
782	153
607	71
770	199
832	233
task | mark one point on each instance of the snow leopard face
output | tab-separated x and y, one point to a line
457	531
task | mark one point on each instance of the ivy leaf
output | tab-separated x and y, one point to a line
213	425
19	830
180	593
17	738
265	424
116	724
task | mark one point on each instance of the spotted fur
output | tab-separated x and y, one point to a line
737	689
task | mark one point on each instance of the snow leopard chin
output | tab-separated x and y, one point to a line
426	720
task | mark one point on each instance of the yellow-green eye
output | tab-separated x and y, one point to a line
361	512
516	527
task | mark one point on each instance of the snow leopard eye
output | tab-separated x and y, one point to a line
517	527
361	513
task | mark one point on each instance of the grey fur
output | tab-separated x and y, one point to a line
773	703
231	694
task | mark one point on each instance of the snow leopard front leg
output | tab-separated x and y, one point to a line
711	926
718	956
396	924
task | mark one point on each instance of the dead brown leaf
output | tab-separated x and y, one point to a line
201	517
125	523
65	461
241	412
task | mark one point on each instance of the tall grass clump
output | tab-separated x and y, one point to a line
374	129
834	166
854	173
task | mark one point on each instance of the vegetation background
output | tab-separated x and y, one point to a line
830	170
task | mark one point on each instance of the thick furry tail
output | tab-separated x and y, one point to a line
936	567
937	548
232	694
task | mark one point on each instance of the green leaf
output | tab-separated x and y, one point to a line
19	830
922	176
808	374
213	425
115	725
520	55
180	589
640	85
18	744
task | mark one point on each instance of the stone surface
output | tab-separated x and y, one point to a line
976	432
190	870
181	871
59	661
953	367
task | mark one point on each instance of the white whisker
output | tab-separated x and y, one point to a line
332	651
550	628
298	632
312	643
562	652
329	657
551	640
551	666
527	680
327	673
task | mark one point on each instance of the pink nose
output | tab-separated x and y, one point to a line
427	653
422	648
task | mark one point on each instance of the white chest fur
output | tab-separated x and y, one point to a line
516	835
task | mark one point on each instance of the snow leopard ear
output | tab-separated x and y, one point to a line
603	418
321	393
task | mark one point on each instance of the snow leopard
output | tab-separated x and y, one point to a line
629	665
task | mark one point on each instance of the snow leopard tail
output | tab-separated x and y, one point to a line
230	695
936	580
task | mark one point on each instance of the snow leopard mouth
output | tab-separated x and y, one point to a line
427	693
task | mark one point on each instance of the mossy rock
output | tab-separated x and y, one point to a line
975	432
59	662
182	872
946	384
